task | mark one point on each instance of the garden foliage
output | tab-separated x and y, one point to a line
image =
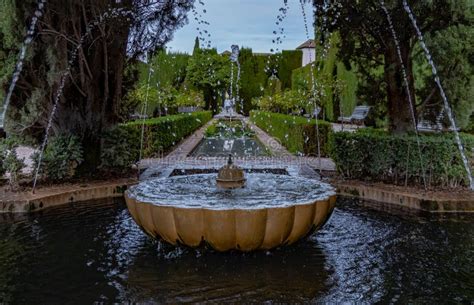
10	162
290	101
336	85
378	156
121	145
62	156
296	133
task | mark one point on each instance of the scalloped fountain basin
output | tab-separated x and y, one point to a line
271	211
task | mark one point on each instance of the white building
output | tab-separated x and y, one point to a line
309	52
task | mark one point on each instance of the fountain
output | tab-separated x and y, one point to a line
230	176
232	212
228	111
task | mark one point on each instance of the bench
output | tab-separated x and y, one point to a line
358	116
428	126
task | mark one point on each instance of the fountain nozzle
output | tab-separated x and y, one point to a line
231	176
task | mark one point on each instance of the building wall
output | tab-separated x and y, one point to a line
309	56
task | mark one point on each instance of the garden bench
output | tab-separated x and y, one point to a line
358	116
428	126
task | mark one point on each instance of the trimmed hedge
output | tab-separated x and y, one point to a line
160	135
297	134
163	133
376	155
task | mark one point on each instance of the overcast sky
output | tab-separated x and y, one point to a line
248	23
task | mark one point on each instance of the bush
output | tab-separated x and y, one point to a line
285	102
297	134
228	129
160	135
120	149
9	161
378	156
189	98
61	158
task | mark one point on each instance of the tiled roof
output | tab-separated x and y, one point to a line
309	44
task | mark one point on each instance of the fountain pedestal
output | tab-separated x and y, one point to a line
230	176
228	111
271	211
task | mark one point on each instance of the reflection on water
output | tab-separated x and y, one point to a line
96	253
238	147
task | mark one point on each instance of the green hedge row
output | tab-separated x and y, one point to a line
121	145
379	156
164	132
297	134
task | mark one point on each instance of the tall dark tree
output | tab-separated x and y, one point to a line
368	41
197	46
94	88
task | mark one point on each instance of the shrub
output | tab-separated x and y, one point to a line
379	156
297	134
285	102
162	133
61	158
228	129
120	149
189	98
9	161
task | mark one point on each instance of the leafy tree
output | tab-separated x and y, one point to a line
169	69
287	102
366	39
453	49
94	88
209	72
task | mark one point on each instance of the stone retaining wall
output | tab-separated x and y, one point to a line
462	204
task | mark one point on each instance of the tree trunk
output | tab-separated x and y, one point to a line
211	100
400	114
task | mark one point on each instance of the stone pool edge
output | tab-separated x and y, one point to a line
28	203
399	198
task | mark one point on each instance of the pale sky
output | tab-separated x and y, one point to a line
247	23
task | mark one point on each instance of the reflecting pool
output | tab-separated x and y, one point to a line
95	253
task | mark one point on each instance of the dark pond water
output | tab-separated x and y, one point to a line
238	147
95	253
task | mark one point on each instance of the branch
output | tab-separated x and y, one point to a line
77	86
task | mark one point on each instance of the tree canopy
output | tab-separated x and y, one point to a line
93	92
209	72
367	41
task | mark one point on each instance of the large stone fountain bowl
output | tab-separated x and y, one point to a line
190	210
